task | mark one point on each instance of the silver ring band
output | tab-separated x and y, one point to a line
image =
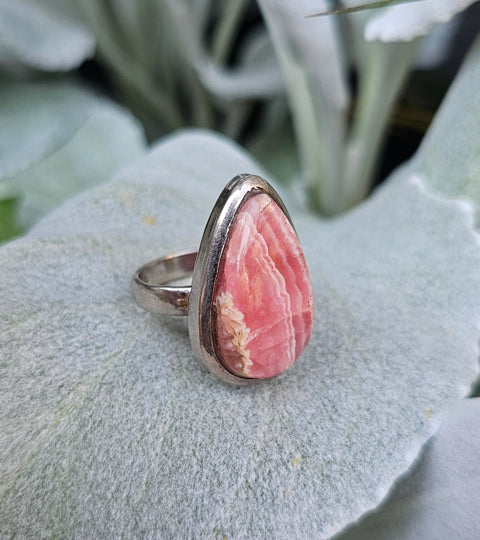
151	289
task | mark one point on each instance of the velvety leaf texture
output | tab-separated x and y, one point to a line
456	172
109	427
440	497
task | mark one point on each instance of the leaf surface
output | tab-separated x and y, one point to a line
407	21
440	497
257	76
314	68
109	425
41	37
58	139
450	153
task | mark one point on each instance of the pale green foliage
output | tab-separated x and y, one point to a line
450	152
405	22
169	60
311	57
174	70
114	428
440	497
258	76
57	140
170	63
315	53
108	425
35	35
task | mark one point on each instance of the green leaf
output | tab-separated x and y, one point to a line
109	425
40	37
9	226
440	497
58	139
360	7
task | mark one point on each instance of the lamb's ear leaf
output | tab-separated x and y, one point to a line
258	74
315	71
409	20
439	498
39	36
449	157
57	139
109	425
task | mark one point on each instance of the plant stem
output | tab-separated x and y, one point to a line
380	84
226	30
128	69
361	7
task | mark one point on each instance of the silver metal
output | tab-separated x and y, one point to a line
151	289
150	284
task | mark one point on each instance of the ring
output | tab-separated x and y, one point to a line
250	302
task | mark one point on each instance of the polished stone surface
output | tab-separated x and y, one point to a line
262	302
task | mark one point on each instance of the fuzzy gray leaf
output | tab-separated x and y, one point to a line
315	73
410	20
39	36
110	427
59	140
313	42
440	497
450	153
258	75
36	119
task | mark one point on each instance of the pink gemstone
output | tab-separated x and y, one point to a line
262	302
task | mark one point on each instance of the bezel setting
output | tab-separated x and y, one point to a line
205	271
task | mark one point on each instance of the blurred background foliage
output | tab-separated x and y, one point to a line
205	63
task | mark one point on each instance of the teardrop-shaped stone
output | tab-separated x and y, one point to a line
262	302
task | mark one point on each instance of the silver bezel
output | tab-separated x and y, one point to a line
214	238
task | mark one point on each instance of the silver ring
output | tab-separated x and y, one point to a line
250	302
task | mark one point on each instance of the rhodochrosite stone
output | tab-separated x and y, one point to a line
262	302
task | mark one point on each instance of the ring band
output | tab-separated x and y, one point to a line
151	289
250	302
